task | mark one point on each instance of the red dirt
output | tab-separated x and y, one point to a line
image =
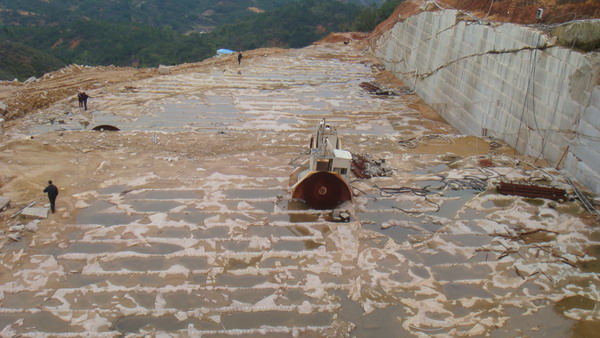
515	11
342	37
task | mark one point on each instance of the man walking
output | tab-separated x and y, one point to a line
52	191
240	56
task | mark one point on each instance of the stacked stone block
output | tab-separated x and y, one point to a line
504	80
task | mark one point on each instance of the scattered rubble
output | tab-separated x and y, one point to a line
31	212
14	237
4	203
374	89
368	167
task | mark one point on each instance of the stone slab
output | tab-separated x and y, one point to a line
4	202
38	213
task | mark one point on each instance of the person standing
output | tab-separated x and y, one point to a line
52	192
240	56
82	98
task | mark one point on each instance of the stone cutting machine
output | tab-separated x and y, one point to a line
321	181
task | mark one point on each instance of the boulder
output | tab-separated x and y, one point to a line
4	202
581	34
17	228
37	213
164	70
32	226
14	236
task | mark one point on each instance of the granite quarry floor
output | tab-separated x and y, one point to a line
181	224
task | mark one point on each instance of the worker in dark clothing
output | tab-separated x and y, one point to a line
52	191
240	56
82	98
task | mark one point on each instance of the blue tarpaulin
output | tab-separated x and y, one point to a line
224	51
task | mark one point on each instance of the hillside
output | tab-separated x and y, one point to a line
180	15
123	40
19	61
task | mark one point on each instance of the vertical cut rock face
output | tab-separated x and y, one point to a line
182	223
508	81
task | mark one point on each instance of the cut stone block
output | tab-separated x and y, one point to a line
4	202
35	213
164	70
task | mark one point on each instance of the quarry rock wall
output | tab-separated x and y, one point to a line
505	81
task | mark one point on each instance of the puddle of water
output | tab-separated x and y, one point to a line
46	322
547	324
212	232
192	263
93	215
156	249
583	328
252	194
251	296
273	262
293	205
237	264
7	319
299	231
165	323
434	185
190	215
165	195
76	280
500	203
539	237
303	218
399	234
276	231
194	300
152	206
266	206
457	291
431	170
470	240
21	300
379	323
450	207
534	201
244	281
442	258
254	320
237	246
296	245
571	208
460	272
383	217
137	264
592	265
575	302
173	232
115	189
420	271
91	248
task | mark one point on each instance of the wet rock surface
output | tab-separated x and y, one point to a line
181	223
